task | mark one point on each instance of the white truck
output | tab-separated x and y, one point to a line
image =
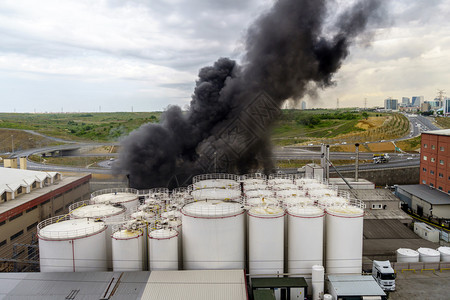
381	158
384	275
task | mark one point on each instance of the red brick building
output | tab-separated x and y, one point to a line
435	159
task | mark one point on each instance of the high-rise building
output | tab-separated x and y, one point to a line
446	106
391	104
405	101
416	101
303	104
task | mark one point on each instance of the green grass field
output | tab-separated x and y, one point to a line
81	126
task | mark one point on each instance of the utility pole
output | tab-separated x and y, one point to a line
12	143
365	103
337	104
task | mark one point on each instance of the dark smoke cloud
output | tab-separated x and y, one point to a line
226	128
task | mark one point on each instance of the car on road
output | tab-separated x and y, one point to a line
409	158
344	143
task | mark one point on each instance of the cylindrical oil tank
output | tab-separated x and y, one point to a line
297	201
305	239
344	237
407	255
429	255
314	186
266	240
279	181
302	181
319	193
72	245
258	201
260	193
163	249
216	194
251	184
213	235
284	186
445	253
127	250
326	201
318	280
290	193
127	197
220	181
109	213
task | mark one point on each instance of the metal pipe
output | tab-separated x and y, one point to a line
356	161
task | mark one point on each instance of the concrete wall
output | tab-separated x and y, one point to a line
383	177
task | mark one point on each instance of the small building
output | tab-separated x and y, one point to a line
426	232
425	201
288	288
346	287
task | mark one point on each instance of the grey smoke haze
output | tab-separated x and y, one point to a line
226	128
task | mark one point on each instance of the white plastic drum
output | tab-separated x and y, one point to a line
216	194
429	255
445	253
266	240
129	200
305	240
213	235
77	245
407	255
127	250
163	249
344	229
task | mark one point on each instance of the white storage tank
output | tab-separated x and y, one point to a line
260	193
127	250
284	186
72	245
109	213
429	255
261	201
266	240
163	249
297	201
305	239
319	193
290	193
344	237
318	282
127	197
445	253
216	194
407	255
326	201
216	181
213	235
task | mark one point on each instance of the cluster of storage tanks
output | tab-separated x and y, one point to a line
441	254
270	226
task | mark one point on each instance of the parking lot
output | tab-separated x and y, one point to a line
422	285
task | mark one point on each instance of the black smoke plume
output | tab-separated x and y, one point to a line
226	129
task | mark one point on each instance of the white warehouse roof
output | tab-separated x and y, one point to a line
11	179
196	285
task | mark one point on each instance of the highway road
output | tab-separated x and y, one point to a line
418	124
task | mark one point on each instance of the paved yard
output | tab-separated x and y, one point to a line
422	285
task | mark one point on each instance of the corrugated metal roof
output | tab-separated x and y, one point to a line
427	194
355	285
196	285
77	286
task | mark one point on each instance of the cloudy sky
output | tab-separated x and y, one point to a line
118	55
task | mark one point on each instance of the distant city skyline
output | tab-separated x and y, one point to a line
79	55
